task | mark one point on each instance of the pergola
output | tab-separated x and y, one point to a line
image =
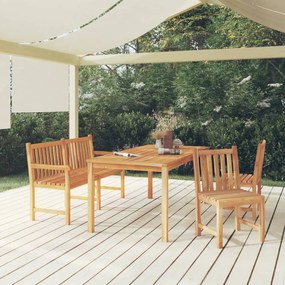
71	33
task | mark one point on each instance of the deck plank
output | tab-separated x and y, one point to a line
62	245
126	247
225	261
102	254
251	249
265	265
144	245
279	273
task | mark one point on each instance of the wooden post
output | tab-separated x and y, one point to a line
73	102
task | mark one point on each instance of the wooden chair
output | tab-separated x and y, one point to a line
254	180
216	183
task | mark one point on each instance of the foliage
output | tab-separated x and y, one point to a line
28	128
229	29
217	103
115	112
13	181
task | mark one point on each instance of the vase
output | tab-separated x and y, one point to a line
168	139
158	143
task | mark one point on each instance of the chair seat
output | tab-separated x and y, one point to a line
229	198
246	179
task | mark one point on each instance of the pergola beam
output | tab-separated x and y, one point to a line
11	48
187	56
140	58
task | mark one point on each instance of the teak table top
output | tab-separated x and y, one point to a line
149	159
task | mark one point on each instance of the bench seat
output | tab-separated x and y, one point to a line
78	177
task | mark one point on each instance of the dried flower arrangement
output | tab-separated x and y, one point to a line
166	121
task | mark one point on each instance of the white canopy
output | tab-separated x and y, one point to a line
270	13
80	27
66	30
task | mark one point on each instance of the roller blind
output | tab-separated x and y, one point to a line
5	114
39	86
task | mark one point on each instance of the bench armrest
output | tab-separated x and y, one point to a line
49	166
101	152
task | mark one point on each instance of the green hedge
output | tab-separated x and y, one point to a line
134	128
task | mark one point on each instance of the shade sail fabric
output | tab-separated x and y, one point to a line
5	121
34	20
115	22
111	22
39	86
127	21
268	13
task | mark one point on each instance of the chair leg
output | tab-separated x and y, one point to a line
149	185
237	218
123	184
98	193
32	202
254	210
198	219
67	205
219	226
259	188
261	220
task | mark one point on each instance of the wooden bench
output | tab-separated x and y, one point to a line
62	165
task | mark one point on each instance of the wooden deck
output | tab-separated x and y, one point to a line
126	247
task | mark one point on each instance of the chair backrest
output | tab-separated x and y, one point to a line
258	165
77	150
216	169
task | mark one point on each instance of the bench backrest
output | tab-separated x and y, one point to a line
69	152
77	151
50	153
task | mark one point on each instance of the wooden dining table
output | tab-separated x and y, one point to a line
148	160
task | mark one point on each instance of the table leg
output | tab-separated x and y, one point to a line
150	185
164	204
91	189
